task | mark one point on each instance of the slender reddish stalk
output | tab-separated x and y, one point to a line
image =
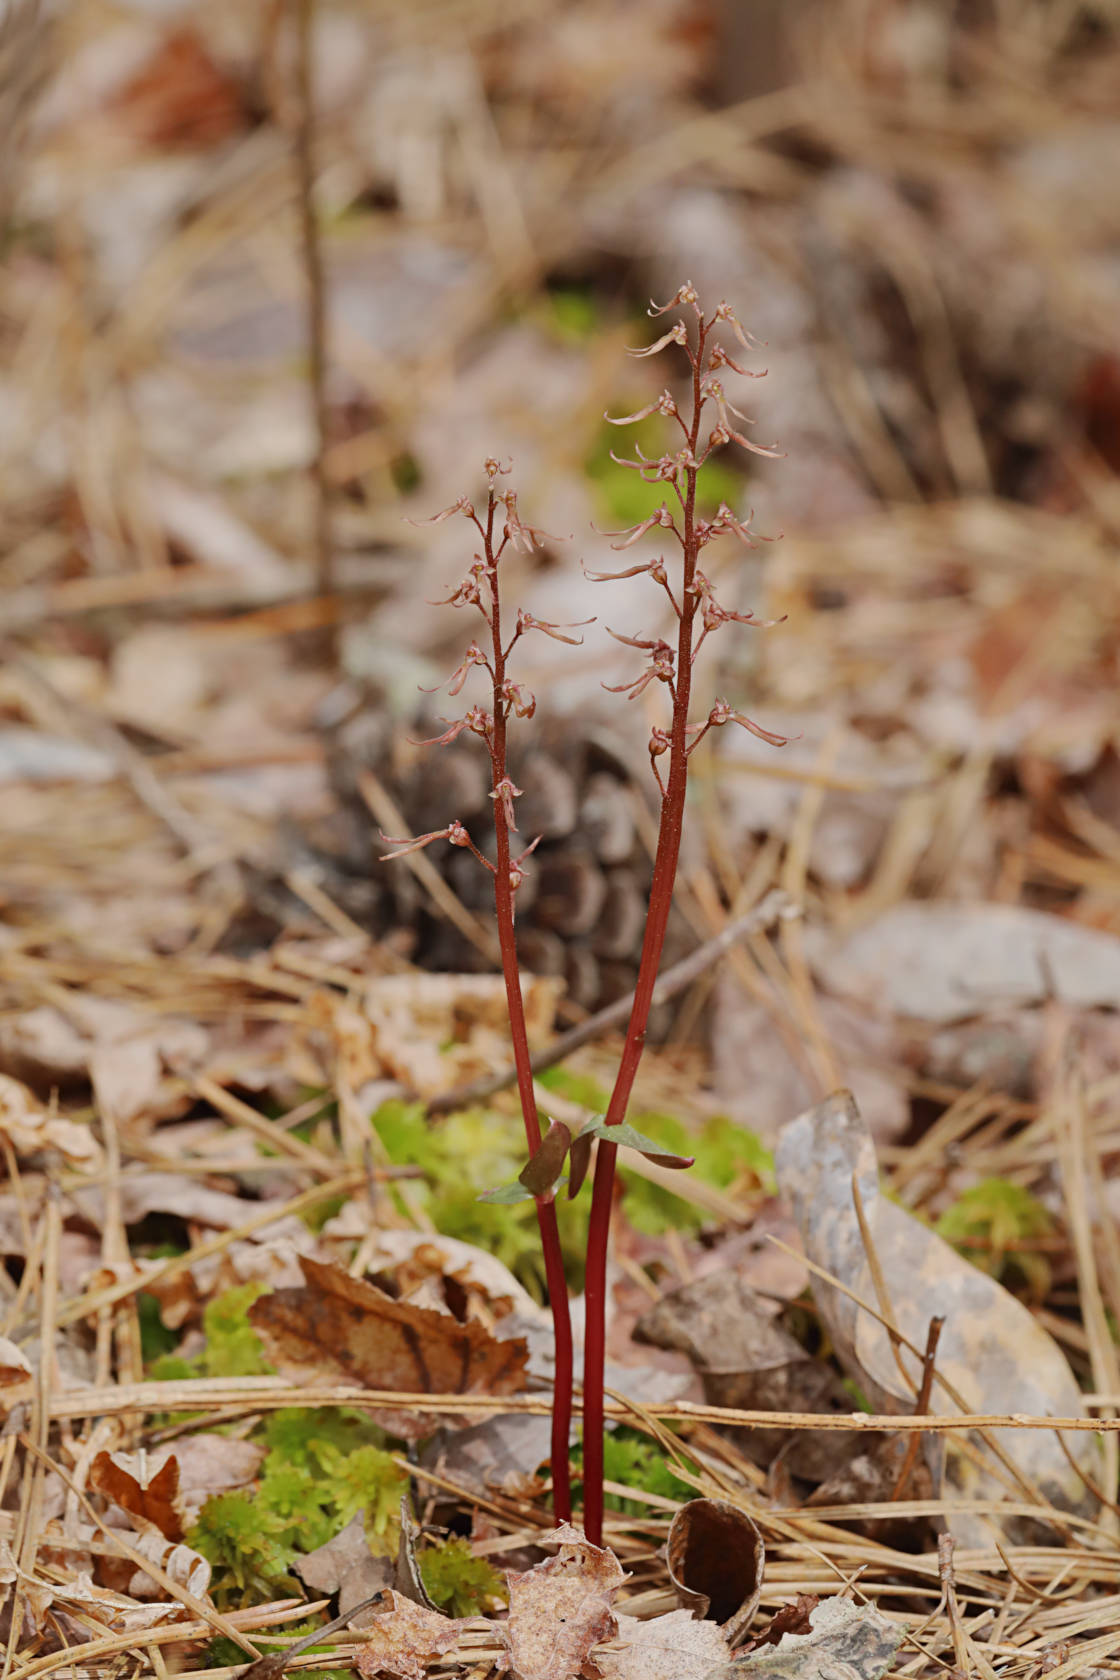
546	1211
657	920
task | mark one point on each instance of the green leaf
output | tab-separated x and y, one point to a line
505	1195
626	1137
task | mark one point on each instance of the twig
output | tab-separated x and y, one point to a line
776	906
921	1404
272	1666
316	303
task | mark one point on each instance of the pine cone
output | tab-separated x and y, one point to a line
581	909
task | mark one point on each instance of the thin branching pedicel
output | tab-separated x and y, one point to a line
698	615
500	526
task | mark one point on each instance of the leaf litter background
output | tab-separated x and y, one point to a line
211	1256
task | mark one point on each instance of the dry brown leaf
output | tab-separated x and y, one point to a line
14	1366
716	1559
671	1647
946	962
747	1360
341	1329
30	1127
992	1351
149	1494
180	97
791	1618
412	1256
502	1453
404	1639
561	1608
126	1078
844	1639
346	1566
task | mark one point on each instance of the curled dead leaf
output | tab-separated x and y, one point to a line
342	1329
186	1567
716	1559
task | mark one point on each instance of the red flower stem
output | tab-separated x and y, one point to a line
546	1211
657	920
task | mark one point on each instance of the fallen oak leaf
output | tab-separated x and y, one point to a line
560	1608
342	1329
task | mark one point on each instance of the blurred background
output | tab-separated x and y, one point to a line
278	275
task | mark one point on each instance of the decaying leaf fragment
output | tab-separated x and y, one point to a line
150	1494
992	1351
30	1127
672	1647
561	1608
15	1368
342	1329
346	1566
405	1638
845	1639
716	1559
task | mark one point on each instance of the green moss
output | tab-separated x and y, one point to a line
634	1461
725	1154
459	1583
223	1653
321	1467
988	1222
624	496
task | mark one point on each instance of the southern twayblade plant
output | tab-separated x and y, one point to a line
697	614
499	525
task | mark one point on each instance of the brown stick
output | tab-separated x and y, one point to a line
921	1405
772	908
323	541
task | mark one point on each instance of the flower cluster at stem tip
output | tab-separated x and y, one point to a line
500	526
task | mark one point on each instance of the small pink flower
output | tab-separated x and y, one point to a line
504	795
683	294
406	845
518	700
665	404
526	622
720	358
662	517
677	334
724	312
